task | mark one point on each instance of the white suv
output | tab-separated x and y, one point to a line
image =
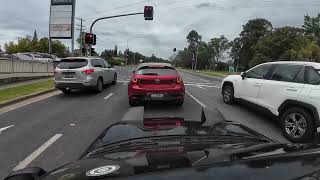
288	89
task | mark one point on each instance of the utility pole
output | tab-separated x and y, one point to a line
81	29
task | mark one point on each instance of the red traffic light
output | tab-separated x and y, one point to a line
148	12
90	39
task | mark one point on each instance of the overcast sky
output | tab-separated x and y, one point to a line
173	20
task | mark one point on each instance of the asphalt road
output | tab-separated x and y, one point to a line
54	130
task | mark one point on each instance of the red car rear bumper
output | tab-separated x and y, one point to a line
169	94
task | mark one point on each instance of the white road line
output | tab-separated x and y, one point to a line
109	96
125	83
122	81
196	99
4	128
202	85
37	152
202	88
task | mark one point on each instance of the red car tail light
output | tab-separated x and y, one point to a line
88	71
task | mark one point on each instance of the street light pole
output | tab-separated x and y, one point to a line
128	45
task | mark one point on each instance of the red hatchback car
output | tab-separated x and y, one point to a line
156	82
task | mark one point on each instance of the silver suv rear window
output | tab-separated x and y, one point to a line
72	63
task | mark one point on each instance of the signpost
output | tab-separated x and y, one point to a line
61	23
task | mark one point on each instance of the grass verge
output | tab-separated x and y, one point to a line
24	90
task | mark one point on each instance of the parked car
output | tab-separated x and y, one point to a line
173	148
7	56
36	57
46	57
289	90
83	72
23	57
156	82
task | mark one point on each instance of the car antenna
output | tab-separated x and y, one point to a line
203	117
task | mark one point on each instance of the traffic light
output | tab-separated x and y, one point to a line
148	12
90	39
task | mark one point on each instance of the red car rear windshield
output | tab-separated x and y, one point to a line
156	71
72	63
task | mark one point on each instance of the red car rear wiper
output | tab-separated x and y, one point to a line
150	74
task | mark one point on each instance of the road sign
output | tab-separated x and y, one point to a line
61	19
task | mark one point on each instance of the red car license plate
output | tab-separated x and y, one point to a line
157	96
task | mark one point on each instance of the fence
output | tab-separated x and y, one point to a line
8	66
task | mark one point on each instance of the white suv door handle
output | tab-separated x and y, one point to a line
292	89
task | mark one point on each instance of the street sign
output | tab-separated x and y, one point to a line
61	19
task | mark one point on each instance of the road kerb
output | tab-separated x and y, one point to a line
22	98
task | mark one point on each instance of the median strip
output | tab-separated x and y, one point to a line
19	93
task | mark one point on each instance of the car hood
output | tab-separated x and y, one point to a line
212	123
273	161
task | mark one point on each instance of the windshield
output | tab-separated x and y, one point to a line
72	63
79	72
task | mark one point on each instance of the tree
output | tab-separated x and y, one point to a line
249	37
285	43
194	39
35	36
0	49
115	52
235	51
312	27
217	48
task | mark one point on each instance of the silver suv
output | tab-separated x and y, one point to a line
83	72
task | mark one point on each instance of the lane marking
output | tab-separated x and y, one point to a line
125	83
202	88
109	96
5	128
194	98
219	87
37	152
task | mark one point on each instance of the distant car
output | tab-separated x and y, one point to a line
156	82
46	57
83	72
23	57
289	90
33	56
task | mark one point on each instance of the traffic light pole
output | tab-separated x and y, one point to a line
109	17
